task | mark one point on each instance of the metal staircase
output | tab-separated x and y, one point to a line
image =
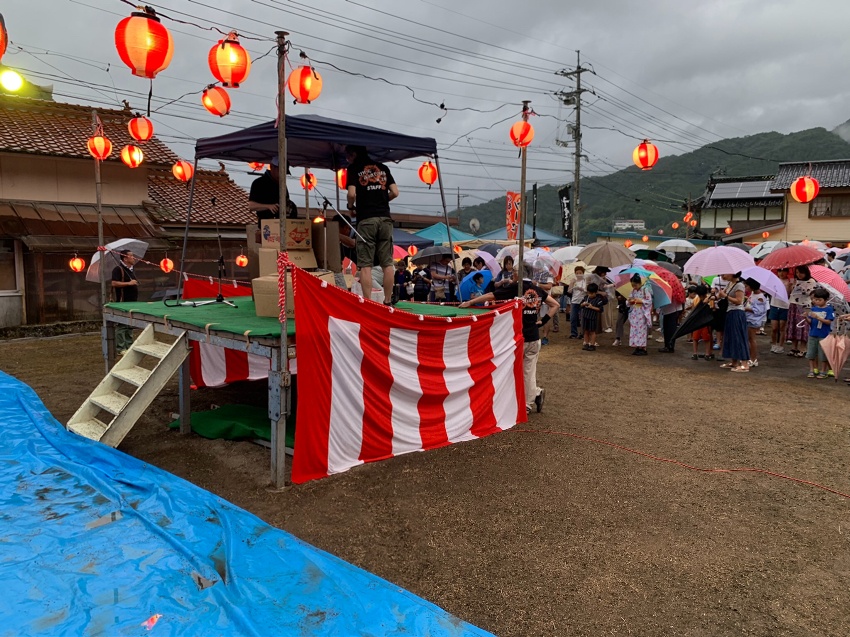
129	388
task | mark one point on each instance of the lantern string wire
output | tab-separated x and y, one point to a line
149	10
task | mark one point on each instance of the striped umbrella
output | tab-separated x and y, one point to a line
831	278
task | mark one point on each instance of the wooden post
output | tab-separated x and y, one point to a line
98	191
524	154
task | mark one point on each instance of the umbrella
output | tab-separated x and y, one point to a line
467	284
702	316
768	281
817	245
718	260
399	253
677	245
740	246
660	290
830	277
568	254
836	347
638	246
110	259
460	256
842	253
791	257
655	255
431	254
568	272
836	299
763	249
541	260
511	251
672	268
489	261
606	254
678	292
491	248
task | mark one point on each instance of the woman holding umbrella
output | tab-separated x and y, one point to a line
736	345
640	314
800	303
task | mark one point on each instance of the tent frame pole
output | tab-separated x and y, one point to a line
180	275
446	219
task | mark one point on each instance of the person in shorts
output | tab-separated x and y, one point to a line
371	187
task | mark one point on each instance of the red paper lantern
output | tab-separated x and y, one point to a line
458	249
804	189
216	100
522	133
688	217
132	156
183	170
644	238
412	250
144	44
305	84
342	178
242	261
628	243
428	173
4	37
675	225
693	223
308	181
728	230
256	166
765	235
166	265
645	155
100	147
229	62
77	264
141	129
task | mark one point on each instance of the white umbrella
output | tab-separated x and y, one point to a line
111	257
568	254
817	245
761	250
638	246
676	245
719	260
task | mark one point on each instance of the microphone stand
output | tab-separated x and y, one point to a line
221	271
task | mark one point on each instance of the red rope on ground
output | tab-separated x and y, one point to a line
773	474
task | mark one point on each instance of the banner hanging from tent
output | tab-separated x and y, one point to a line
512	213
566	210
385	382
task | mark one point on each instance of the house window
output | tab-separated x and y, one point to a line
834	206
8	282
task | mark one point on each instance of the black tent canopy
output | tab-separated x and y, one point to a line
313	141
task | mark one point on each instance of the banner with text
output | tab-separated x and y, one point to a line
512	215
566	210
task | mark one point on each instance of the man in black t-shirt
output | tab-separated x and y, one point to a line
125	288
371	187
264	198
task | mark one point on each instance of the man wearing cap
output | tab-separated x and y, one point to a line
264	197
371	187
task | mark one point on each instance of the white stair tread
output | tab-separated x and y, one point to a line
91	428
113	402
155	349
134	375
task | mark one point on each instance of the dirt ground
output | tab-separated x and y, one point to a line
533	533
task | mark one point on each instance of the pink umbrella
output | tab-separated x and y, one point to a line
790	257
399	253
837	349
489	261
718	260
830	277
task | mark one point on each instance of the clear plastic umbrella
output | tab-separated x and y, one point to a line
111	256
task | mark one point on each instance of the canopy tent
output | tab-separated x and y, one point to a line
406	239
313	141
544	239
439	233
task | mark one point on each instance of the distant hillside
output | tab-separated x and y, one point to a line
656	195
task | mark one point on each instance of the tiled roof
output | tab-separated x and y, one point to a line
830	174
43	127
170	199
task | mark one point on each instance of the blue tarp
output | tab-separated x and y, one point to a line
544	239
439	234
96	542
315	142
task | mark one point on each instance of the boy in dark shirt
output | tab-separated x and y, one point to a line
591	310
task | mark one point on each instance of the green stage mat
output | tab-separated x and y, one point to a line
236	422
243	320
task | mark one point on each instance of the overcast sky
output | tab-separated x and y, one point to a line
681	71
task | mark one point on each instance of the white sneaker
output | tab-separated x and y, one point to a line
608	330
779	350
753	363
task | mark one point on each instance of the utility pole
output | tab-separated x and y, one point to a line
573	98
460	197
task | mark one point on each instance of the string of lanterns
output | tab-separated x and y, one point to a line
78	264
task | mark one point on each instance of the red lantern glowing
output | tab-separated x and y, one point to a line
428	173
765	235
242	261
308	181
183	170
458	249
141	129
305	84
675	225
144	44
413	250
166	265
216	100
693	223
4	37
77	264
804	189
688	217
645	155
100	147
132	156
257	166
522	133
728	230
644	238
342	178
229	62
628	243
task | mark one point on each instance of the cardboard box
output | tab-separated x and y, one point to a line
334	262
266	293
299	235
270	233
253	238
267	259
304	259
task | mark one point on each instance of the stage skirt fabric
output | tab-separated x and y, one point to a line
736	345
